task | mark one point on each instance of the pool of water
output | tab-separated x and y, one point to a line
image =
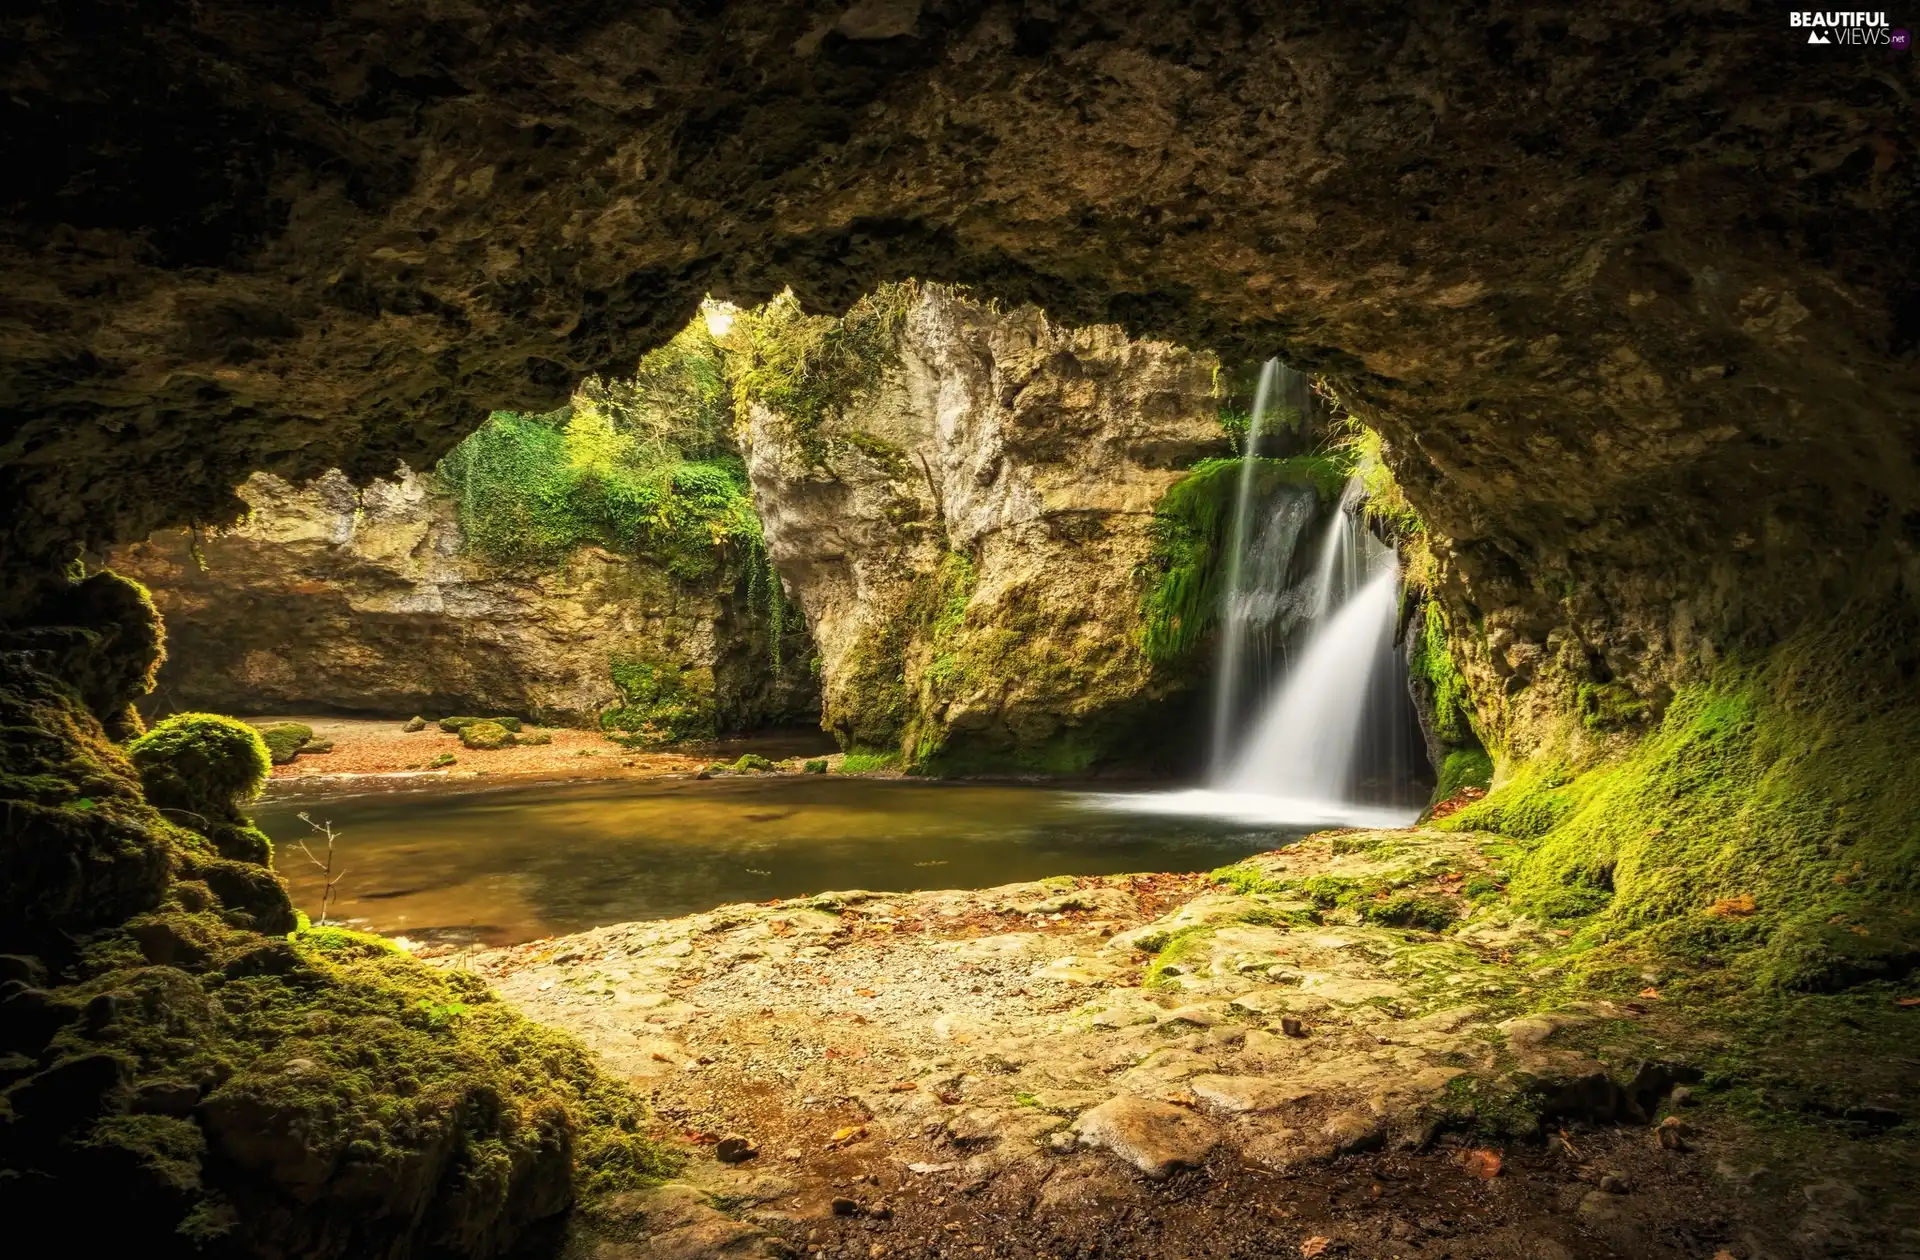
514	863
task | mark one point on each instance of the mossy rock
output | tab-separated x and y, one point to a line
751	762
454	725
817	766
201	764
317	746
534	739
485	735
285	740
413	724
441	760
101	636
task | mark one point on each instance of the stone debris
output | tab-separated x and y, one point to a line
1155	1137
965	1034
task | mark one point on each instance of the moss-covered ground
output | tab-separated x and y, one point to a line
234	1080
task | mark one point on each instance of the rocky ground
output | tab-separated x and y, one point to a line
1177	1066
363	746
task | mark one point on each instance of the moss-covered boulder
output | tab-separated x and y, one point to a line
101	636
285	740
751	763
235	1092
486	735
201	764
454	725
413	724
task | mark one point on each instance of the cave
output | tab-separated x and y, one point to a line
1597	332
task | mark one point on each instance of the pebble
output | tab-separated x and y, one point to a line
845	1207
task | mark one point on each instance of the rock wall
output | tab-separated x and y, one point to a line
365	601
965	550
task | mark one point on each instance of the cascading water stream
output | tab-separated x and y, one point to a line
1233	630
1337	713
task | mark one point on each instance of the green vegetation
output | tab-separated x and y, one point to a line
1770	821
868	762
751	763
1192	526
805	368
661	702
816	766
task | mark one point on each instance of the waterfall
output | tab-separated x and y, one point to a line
1305	743
1329	741
1233	627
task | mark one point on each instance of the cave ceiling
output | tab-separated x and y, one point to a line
1628	286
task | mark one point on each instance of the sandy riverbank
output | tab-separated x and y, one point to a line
370	746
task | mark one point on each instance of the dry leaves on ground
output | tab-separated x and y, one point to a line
1316	1246
1736	907
1482	1163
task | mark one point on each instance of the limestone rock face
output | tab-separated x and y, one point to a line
337	598
965	552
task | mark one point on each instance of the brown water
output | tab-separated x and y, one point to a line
519	862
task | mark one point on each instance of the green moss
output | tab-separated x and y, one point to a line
454	725
319	1095
1610	706
1785	779
102	636
751	763
285	739
201	765
1427	914
1432	662
440	760
1178	949
1463	768
1191	527
534	740
485	735
661	702
868	762
816	766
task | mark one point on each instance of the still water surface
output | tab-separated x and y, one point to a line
513	863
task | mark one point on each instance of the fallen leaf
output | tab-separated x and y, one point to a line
1857	930
1650	992
1482	1163
852	1133
865	993
901	1087
948	1097
1316	1246
1907	1001
1736	907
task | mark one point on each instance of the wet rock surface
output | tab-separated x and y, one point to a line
1027	1080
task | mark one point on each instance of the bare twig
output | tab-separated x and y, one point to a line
327	873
